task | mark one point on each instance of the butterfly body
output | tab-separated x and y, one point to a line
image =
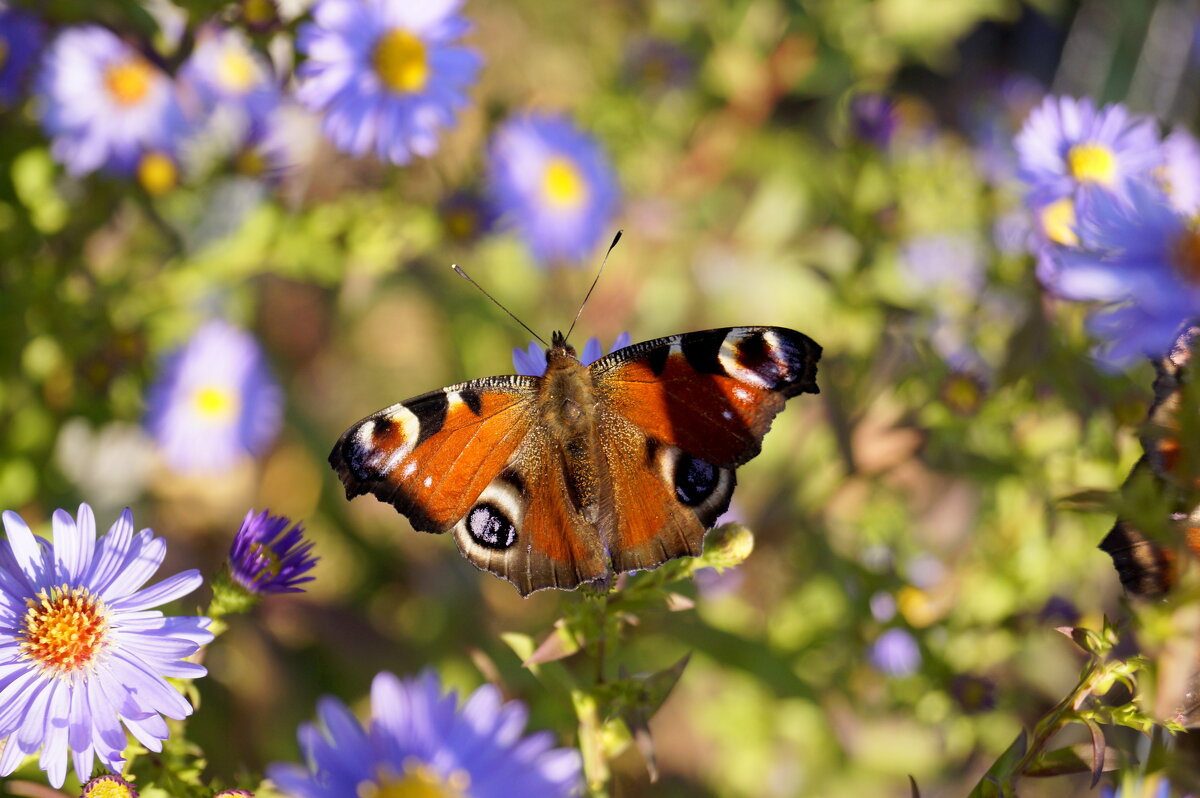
588	470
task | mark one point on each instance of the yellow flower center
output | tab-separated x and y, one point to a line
1092	163
64	630
268	571
157	173
216	404
418	781
400	61
129	81
1187	253
236	71
250	162
258	12
1058	222
108	787
562	185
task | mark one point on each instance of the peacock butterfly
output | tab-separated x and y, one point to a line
587	471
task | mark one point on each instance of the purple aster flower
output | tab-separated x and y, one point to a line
1141	257
1181	172
264	558
656	64
895	653
82	651
1066	144
224	74
466	216
215	401
531	362
385	73
103	104
418	741
873	118
21	38
108	786
974	694
555	185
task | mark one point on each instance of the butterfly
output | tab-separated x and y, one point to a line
586	471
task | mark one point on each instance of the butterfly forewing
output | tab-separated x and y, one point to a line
432	455
712	393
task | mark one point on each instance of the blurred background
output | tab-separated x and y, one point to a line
842	168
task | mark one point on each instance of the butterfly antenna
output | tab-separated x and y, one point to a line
588	296
495	301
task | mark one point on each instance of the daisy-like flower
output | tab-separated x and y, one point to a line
555	185
531	362
82	651
1067	145
104	105
215	401
264	558
20	42
108	786
466	216
1141	257
226	75
1181	171
418	742
873	118
385	73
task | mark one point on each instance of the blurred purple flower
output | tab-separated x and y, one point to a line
226	75
953	261
895	653
883	606
21	39
1181	172
655	65
104	105
82	651
420	743
873	118
466	216
712	584
264	558
555	185
1067	144
385	73
214	401
1060	611
973	694
1143	258
532	361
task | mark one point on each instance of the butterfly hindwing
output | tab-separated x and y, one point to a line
525	528
698	405
432	455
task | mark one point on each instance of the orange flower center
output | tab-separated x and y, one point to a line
64	630
129	81
1187	254
401	62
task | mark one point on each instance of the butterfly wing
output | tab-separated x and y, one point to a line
677	416
433	455
525	528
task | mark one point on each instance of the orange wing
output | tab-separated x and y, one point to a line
712	393
678	414
432	455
